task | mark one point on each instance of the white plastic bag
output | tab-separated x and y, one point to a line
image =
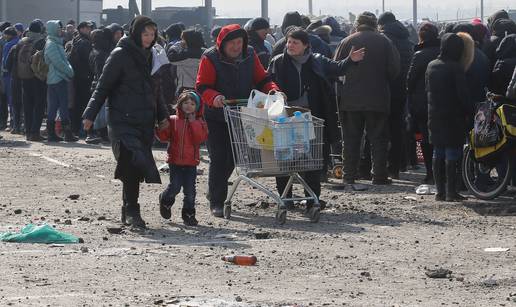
275	106
257	100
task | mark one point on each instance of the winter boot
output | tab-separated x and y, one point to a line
217	210
92	138
69	137
164	209
451	182
440	179
133	216
51	131
188	216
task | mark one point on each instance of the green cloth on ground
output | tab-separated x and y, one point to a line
38	234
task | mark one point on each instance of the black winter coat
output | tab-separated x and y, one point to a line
449	106
132	107
504	66
416	92
399	36
477	77
259	47
79	57
314	77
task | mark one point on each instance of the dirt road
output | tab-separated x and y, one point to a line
370	248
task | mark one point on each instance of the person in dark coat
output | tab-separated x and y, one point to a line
449	107
173	34
365	97
426	51
295	19
79	58
399	36
477	75
500	25
186	60
133	113
305	79
337	34
229	70
504	65
102	43
259	27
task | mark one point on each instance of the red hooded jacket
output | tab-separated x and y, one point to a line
206	83
184	137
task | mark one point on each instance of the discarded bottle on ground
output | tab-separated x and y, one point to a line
241	260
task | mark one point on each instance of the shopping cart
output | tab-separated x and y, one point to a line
269	159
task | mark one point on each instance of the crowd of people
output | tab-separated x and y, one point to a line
120	85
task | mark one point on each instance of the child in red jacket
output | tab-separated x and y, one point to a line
185	133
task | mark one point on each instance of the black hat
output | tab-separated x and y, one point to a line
138	26
10	31
115	27
386	18
84	24
259	23
35	27
4	25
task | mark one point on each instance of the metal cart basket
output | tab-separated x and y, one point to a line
266	148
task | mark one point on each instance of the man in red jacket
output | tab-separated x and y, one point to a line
229	70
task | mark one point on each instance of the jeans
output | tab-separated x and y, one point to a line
9	98
34	101
181	177
58	100
447	153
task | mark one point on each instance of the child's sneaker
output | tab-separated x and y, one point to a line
188	216
164	209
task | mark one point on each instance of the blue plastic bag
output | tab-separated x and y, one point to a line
39	234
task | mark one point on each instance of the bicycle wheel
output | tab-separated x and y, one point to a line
486	180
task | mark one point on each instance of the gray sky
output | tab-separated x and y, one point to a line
444	9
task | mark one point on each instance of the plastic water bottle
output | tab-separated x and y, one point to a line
282	148
300	134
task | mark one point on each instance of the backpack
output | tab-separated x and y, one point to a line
24	60
38	65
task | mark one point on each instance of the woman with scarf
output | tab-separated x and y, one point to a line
304	78
133	112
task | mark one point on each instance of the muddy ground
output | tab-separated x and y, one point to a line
369	249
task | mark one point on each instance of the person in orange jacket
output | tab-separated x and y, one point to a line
185	133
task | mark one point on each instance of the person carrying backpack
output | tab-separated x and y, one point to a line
34	89
60	73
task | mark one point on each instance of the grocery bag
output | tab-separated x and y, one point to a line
257	99
258	131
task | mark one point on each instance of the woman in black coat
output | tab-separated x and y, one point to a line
449	108
426	51
133	113
304	77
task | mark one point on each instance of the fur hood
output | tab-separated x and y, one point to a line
468	53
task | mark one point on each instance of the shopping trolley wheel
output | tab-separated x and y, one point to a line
227	211
281	216
337	171
314	214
